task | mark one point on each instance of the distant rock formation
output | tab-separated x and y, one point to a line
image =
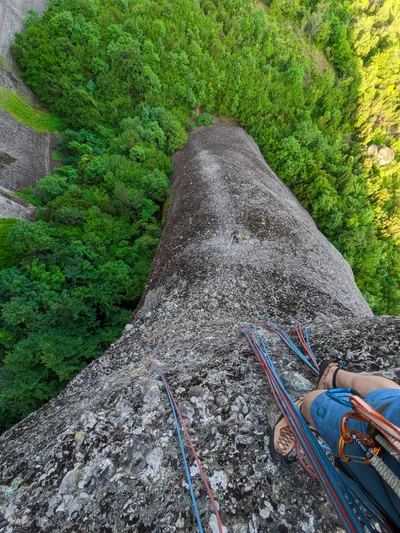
104	456
12	16
25	155
383	154
12	206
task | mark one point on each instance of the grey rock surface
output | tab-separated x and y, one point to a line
25	154
12	16
104	455
10	80
383	154
12	206
28	152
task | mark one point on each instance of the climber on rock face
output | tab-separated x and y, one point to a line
236	237
325	414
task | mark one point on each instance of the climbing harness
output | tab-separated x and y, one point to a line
316	461
370	445
181	425
237	238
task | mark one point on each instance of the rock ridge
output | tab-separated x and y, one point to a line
103	456
28	152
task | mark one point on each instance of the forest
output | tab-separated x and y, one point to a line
313	82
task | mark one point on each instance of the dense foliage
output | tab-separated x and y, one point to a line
9	256
361	40
128	77
376	35
85	262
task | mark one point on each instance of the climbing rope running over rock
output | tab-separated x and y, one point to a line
182	425
303	337
175	407
350	513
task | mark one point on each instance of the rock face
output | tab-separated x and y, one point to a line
383	154
12	16
104	456
13	207
25	155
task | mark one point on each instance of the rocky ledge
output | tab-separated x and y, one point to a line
11	206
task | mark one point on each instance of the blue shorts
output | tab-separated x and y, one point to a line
363	479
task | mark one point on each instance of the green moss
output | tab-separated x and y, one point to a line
8	491
27	195
57	156
5	64
8	256
24	113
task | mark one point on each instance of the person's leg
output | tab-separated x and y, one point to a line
359	382
326	415
305	408
346	380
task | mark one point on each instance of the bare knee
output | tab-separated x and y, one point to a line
306	406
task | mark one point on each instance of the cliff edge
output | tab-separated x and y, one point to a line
104	455
25	154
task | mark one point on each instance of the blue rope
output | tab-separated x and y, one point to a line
287	340
310	443
354	498
334	394
178	430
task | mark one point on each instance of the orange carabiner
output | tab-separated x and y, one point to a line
347	438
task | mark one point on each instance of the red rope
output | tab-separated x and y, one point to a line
159	339
272	380
310	471
192	447
300	335
372	416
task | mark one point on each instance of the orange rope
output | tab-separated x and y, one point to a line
151	361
